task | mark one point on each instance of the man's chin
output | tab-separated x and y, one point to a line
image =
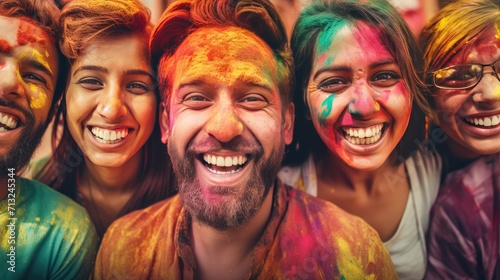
19	155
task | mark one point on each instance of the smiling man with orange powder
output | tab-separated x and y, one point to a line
43	234
225	77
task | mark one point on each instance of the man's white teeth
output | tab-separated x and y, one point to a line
8	121
108	136
224	161
484	121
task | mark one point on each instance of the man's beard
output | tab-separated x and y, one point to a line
236	208
20	154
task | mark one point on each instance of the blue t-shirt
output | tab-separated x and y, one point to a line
44	234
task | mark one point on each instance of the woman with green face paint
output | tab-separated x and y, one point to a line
359	133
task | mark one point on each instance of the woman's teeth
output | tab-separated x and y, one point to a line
109	136
363	136
484	121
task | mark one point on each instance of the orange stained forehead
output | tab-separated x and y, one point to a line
30	44
22	31
485	49
225	56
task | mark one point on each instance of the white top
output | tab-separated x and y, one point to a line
407	246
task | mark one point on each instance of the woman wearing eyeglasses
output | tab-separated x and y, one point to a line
462	60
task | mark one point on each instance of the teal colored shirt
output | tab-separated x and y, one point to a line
44	235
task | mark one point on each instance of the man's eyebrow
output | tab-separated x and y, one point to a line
37	65
255	82
92	68
248	81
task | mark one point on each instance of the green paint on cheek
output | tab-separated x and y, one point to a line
326	108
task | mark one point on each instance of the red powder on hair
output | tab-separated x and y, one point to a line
4	46
25	33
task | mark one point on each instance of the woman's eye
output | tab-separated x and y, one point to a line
333	85
138	88
385	79
90	84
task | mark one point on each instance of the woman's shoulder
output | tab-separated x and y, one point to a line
301	177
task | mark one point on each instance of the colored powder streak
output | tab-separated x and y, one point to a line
324	55
353	111
40	100
5	47
326	108
347	264
36	56
441	27
25	33
496	92
497	28
326	37
230	56
368	39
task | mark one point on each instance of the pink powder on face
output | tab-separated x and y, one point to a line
368	38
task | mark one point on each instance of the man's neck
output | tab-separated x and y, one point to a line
229	253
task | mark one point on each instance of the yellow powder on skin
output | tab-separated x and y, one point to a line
39	101
496	92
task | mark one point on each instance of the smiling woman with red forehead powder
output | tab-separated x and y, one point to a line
358	126
109	157
462	64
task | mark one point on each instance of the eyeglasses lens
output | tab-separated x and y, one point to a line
461	76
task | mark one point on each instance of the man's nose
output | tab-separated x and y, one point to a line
10	80
224	123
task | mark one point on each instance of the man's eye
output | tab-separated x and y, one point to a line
385	79
195	98
196	102
253	102
334	84
253	99
34	77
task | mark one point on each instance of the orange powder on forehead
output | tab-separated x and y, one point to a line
5	47
227	53
25	33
